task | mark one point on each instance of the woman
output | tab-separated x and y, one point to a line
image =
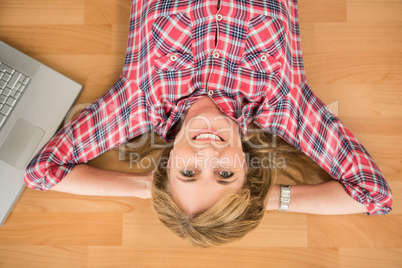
206	75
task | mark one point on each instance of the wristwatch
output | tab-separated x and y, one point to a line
285	198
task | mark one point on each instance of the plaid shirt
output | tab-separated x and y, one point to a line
247	59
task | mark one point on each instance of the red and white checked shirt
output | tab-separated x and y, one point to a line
245	57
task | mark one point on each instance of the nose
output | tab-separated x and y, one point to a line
209	151
207	158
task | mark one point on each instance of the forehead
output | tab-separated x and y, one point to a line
195	198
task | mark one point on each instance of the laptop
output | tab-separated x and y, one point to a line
34	100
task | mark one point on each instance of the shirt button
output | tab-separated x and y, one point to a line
210	92
173	58
219	17
263	58
216	55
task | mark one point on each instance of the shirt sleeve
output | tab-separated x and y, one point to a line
117	116
305	122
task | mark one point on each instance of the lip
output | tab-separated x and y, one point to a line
206	130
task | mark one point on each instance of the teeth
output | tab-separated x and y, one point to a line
207	136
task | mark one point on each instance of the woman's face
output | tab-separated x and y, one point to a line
207	158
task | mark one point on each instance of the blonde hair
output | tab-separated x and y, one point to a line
236	213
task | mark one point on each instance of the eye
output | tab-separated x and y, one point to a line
226	174
187	173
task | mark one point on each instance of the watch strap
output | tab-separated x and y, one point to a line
284	198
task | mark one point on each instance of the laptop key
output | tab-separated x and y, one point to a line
2	99
21	88
17	86
22	78
17	95
3	84
5	109
6	77
26	80
13	91
14	80
11	101
6	91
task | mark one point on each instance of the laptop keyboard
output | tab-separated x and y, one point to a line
12	85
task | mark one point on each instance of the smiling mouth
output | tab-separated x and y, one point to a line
207	137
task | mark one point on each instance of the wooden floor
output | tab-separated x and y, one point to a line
353	57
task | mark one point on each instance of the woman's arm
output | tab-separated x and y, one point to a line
305	122
328	198
87	180
120	114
